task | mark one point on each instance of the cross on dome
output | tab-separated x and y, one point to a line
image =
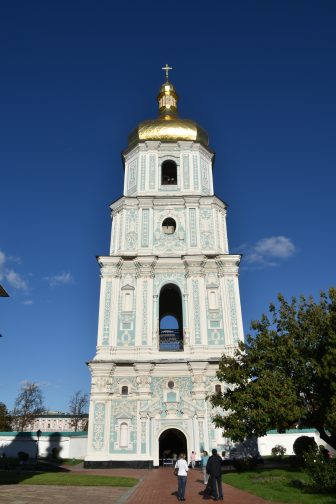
167	68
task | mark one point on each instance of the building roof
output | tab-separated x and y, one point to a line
3	293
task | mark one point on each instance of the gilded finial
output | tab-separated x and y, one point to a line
167	68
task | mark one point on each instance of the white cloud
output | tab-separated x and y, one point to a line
11	276
2	260
62	279
15	280
269	251
28	302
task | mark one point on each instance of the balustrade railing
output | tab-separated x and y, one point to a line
171	340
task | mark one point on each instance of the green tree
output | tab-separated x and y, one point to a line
5	419
284	375
28	405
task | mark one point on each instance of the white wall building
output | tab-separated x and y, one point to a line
169	300
57	422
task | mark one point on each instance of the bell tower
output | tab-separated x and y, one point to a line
169	300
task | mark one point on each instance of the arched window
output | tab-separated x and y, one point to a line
123	442
218	389
171	319
168	226
168	173
124	390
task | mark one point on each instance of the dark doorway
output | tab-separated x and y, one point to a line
172	442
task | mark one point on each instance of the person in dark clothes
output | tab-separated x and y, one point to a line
214	468
207	494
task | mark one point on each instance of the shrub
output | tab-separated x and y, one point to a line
302	445
244	464
278	451
320	469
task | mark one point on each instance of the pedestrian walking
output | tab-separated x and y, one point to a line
182	469
193	460
204	461
214	468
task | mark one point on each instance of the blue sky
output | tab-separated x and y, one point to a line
76	77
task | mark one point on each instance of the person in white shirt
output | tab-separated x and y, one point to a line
182	467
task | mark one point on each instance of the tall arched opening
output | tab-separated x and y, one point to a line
172	442
171	319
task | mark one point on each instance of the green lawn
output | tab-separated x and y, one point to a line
66	479
281	485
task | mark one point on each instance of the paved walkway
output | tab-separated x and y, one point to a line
160	487
157	486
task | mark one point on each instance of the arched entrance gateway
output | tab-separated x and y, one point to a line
172	442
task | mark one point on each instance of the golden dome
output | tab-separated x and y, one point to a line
168	127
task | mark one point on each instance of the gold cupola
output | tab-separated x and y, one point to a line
168	127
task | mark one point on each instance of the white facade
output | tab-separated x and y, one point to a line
169	257
57	422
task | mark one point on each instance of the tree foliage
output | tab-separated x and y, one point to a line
284	376
77	407
28	405
5	419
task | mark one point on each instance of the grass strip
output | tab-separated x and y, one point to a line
11	478
281	485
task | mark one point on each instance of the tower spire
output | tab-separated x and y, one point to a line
167	97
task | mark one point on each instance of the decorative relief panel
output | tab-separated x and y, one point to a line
101	384
185	162
214	316
211	431
132	176
166	406
195	172
192	230
126	319
143	436
163	278
207	228
223	226
98	426
204	176
201	434
131	237
118	381
196	312
143	173
170	243
145	228
123	415
218	232
145	314
114	233
121	224
233	310
152	163
107	314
